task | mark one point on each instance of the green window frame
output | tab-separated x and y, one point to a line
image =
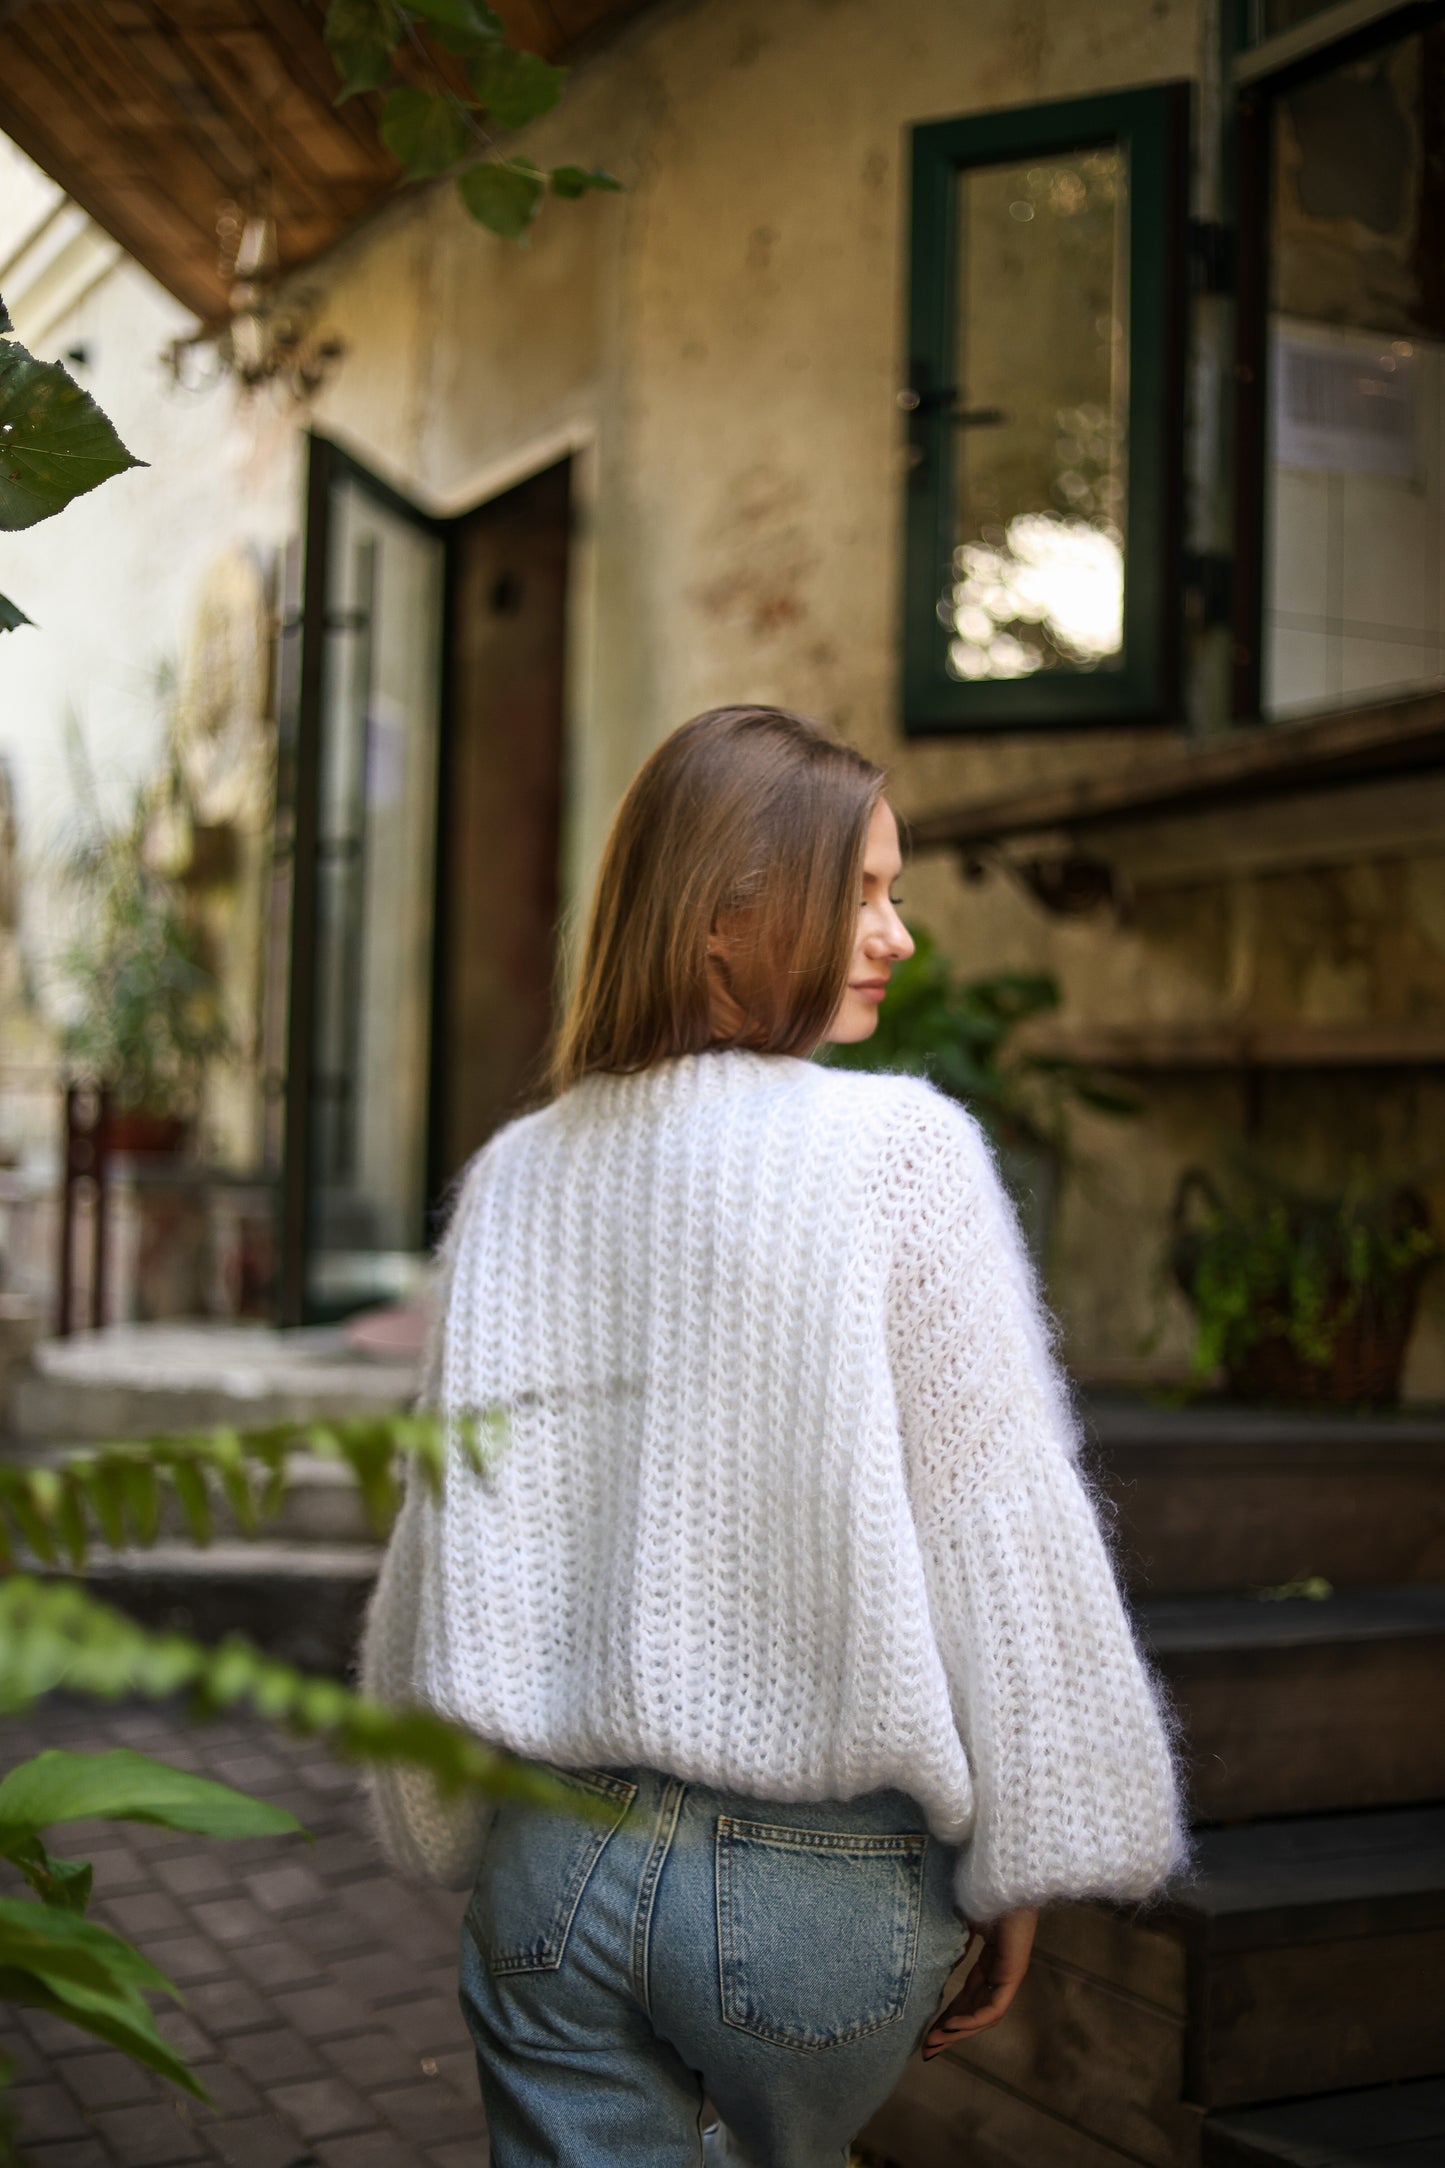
1151	127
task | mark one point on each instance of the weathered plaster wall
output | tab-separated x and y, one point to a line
722	345
113	587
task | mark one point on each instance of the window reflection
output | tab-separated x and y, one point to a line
1355	482
1036	577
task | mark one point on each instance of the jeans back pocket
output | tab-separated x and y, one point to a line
535	1868
817	1930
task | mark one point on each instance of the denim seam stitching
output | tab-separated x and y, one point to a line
667	1819
821	1840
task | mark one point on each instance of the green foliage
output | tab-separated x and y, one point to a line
55	1634
427	135
55	1960
114	1493
360	35
504	198
959	1033
55	444
573	181
441	127
514	87
1262	1261
151	1015
125	1787
52	1957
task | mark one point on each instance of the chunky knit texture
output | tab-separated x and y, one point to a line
789	1501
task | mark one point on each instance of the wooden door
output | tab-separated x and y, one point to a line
500	814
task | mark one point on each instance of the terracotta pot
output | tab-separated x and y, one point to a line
145	1135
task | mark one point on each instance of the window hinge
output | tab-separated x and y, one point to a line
1211	255
1209	574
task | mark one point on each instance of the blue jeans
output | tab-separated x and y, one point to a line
617	1964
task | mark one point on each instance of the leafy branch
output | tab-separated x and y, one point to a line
475	78
51	1957
53	1635
114	1493
55	444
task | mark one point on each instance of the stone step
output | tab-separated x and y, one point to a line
303	1602
1302	1707
1299	1958
1384	2126
131	1381
1212	1498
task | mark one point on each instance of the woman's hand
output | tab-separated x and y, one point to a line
991	1985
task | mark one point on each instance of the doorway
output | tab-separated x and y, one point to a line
422	812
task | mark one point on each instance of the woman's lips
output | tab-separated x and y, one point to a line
869	989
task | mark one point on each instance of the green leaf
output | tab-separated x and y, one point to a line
12	617
124	2024
62	1882
5	323
570	182
425	133
54	1960
190	1488
55	444
69	1952
461	26
502	198
361	35
515	87
123	1786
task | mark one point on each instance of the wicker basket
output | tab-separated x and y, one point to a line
1367	1342
1364	1370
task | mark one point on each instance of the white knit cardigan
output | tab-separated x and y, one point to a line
788	1501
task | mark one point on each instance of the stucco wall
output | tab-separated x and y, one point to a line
722	345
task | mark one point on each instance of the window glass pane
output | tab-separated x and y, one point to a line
1040	463
375	868
1356	367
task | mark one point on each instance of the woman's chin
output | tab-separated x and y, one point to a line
854	1022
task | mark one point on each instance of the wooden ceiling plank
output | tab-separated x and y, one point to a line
221	137
532	25
74	125
307	54
299	130
142	110
105	71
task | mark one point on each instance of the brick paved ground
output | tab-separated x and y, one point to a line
320	2003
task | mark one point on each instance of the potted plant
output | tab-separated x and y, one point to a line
961	1034
149	1012
1298	1297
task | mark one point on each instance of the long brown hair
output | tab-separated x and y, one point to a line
727	898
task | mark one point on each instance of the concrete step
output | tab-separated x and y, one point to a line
1213	1498
1301	1707
1300	1958
131	1381
1384	2126
303	1602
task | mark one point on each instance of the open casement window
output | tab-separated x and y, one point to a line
1045	404
1341	424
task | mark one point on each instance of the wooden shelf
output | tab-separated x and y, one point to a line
1392	738
1184	1047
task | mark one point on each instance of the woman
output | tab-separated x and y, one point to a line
785	1558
